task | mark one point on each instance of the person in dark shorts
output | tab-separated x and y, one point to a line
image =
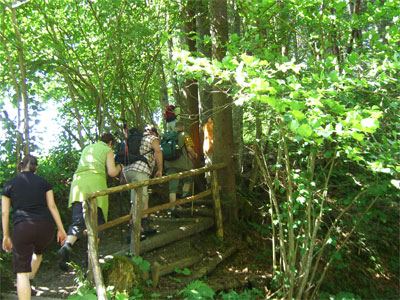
34	210
96	162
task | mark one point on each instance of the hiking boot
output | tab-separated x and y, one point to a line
147	229
64	257
143	236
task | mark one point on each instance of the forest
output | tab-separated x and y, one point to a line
305	99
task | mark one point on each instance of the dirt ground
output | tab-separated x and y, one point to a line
246	266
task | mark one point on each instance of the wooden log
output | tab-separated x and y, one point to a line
211	264
153	209
136	222
90	216
205	201
159	270
217	206
233	283
177	202
158	180
204	212
162	239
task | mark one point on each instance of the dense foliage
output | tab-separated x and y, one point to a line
318	82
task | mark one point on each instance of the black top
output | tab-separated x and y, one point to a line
27	192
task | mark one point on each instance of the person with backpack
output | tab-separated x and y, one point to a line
172	115
96	161
182	163
141	169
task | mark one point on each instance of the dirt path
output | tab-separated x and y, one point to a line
51	282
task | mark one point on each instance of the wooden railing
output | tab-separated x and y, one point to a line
90	215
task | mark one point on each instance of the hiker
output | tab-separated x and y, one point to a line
34	210
183	163
208	147
89	177
141	170
172	115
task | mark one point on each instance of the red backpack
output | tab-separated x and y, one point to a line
169	113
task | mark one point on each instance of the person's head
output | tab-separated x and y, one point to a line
29	163
179	125
107	138
152	130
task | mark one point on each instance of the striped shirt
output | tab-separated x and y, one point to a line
146	149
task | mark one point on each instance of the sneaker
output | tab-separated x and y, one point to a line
64	257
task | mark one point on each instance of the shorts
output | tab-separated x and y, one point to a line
30	237
78	225
135	176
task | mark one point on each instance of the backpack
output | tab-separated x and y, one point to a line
134	141
170	146
169	113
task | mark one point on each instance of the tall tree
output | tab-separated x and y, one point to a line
204	47
222	106
190	100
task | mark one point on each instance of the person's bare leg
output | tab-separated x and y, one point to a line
35	264
186	189
172	197
23	286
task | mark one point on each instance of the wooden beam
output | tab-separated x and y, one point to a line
158	180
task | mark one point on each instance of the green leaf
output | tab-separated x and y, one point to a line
298	115
358	136
333	75
305	130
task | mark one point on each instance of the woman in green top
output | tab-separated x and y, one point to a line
89	177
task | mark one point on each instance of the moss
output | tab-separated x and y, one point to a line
123	274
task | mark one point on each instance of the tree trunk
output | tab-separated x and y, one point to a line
223	131
190	101
237	110
23	87
18	96
203	29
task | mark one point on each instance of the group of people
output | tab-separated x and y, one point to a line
34	209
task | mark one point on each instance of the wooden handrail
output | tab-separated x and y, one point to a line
90	215
153	209
158	180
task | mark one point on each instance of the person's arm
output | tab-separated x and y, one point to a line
5	218
192	153
159	157
61	235
112	169
189	146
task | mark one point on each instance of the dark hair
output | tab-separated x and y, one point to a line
152	129
29	162
108	137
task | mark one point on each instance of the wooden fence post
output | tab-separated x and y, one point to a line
136	212
90	216
217	205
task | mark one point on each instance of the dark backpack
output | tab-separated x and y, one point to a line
170	146
169	113
134	141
